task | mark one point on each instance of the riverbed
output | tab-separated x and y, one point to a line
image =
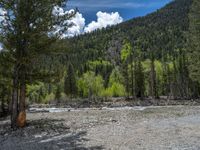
125	128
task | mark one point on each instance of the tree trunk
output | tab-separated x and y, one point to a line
153	80
3	102
135	79
126	80
132	80
14	109
21	120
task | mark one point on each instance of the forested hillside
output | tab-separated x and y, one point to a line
147	54
143	57
161	32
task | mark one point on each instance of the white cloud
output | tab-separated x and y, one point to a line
78	22
103	20
2	22
58	11
2	14
1	48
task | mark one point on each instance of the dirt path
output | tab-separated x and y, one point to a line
159	128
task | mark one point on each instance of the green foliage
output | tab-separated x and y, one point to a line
126	58
116	87
161	31
26	34
116	77
115	90
126	51
193	41
90	85
26	38
58	93
50	97
139	80
101	67
37	92
70	87
145	56
97	65
5	80
159	76
141	57
159	69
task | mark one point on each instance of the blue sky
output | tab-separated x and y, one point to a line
127	9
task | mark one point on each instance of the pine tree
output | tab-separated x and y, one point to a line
70	87
58	93
27	32
153	84
194	41
126	57
139	80
5	81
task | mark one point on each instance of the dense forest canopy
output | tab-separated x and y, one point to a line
161	31
156	53
152	56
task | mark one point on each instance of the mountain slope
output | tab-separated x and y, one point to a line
161	32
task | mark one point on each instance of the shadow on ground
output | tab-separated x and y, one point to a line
43	135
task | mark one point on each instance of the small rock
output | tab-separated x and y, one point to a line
113	120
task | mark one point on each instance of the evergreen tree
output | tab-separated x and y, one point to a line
153	84
194	41
70	87
58	93
5	82
126	57
27	31
139	80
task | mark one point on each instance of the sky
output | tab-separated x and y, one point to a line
127	9
98	14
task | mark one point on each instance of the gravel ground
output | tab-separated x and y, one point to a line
149	128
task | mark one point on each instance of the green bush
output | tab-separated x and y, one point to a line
90	85
116	90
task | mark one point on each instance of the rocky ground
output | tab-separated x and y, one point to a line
123	128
